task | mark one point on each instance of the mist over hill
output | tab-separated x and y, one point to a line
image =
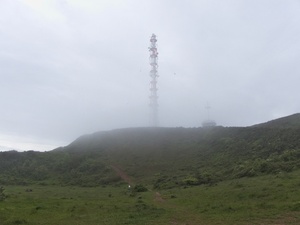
162	157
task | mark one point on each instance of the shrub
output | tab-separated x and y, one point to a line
2	195
140	188
191	181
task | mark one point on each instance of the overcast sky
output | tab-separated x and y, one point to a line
71	67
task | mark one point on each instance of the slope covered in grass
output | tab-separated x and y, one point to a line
162	157
219	175
267	199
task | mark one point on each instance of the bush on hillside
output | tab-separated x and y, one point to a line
166	182
200	178
140	188
191	181
2	195
205	178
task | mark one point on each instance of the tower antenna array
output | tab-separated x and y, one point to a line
207	108
153	82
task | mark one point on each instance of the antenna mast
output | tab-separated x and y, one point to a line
208	122
207	108
153	82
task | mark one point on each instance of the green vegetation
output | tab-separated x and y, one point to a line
76	205
140	188
162	157
197	176
2	195
268	199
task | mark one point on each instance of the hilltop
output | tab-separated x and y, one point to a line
292	121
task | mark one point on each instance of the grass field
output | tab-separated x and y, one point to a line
272	199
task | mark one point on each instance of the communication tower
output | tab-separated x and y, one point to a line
153	82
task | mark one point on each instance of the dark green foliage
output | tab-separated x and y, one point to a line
140	188
55	167
206	178
287	161
2	195
191	181
165	182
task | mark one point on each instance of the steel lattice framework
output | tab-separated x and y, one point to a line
153	82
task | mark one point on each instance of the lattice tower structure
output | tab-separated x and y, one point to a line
153	83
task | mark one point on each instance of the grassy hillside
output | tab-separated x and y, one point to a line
168	157
162	157
217	175
263	200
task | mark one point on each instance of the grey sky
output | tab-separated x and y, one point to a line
70	67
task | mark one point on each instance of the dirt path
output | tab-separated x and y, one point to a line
158	197
122	174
